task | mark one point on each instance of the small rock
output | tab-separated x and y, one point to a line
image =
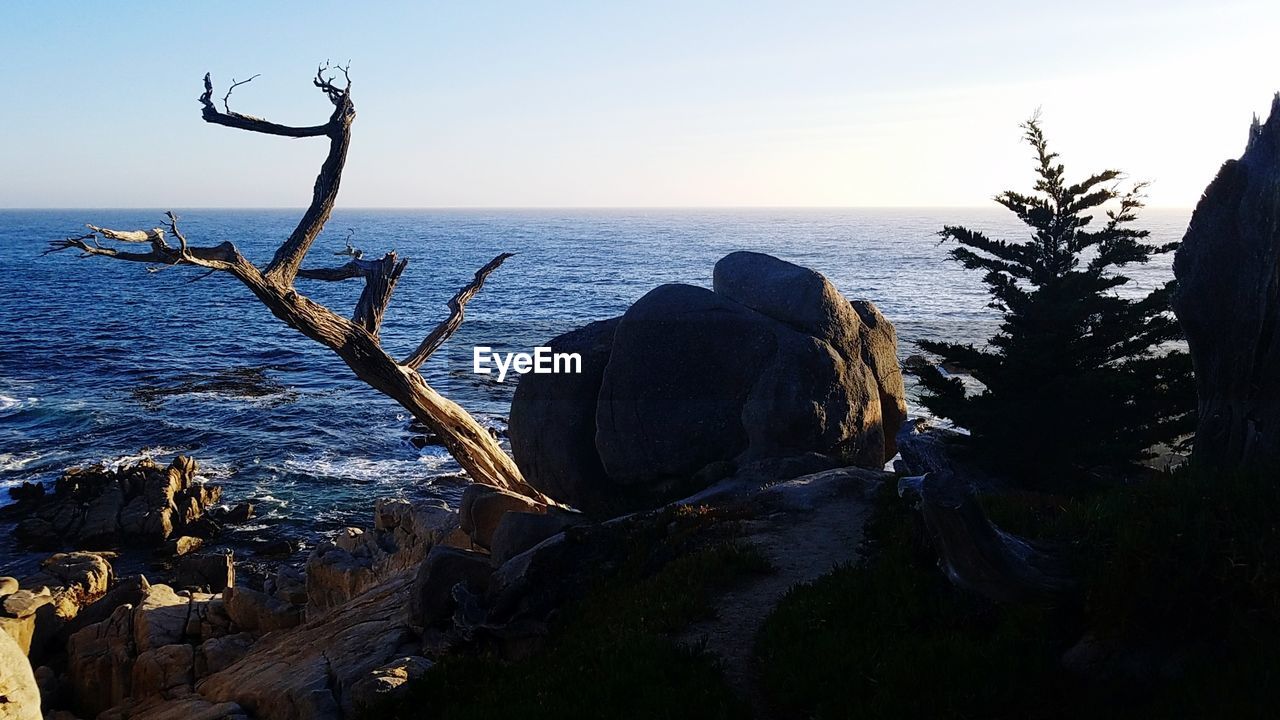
278	548
387	682
184	545
25	603
240	513
26	492
37	533
22	630
8	586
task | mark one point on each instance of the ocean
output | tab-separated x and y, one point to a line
103	361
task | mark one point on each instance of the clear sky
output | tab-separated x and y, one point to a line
511	104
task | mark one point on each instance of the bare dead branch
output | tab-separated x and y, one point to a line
378	287
457	306
336	94
220	257
380	278
226	99
241	121
153	235
354	340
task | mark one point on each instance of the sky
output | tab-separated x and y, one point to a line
610	104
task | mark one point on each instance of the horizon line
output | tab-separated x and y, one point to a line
162	208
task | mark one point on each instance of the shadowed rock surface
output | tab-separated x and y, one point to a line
1228	301
689	384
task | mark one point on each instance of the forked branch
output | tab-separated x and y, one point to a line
355	341
457	307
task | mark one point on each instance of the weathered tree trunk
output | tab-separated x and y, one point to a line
975	554
1228	301
355	340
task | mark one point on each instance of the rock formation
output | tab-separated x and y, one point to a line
691	383
1228	301
95	507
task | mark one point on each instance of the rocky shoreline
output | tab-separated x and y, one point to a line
153	617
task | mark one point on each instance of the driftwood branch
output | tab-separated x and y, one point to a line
457	306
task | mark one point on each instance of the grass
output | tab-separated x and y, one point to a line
1180	573
611	655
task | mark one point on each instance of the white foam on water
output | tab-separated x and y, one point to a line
13	404
362	469
13	462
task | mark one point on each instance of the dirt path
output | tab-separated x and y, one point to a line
810	525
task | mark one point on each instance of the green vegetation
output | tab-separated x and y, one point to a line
1180	583
1079	376
612	655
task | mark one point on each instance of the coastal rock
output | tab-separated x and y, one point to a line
483	507
100	662
127	591
878	344
211	572
256	611
25	603
174	705
19	694
289	585
431	598
160	618
387	682
8	586
217	654
85	574
309	671
162	669
97	507
519	531
1227	299
334	576
355	560
553	421
184	545
688	382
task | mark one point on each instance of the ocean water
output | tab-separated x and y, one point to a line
103	361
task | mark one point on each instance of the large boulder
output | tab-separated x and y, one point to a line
1227	299
19	694
553	420
690	383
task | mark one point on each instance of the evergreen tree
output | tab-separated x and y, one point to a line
1079	378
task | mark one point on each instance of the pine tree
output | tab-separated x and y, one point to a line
1078	379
